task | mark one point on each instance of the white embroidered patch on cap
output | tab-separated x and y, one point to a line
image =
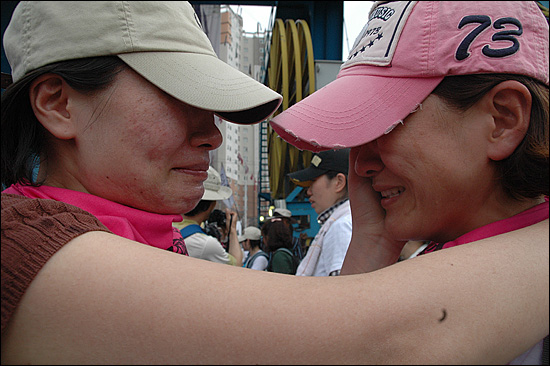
376	43
316	160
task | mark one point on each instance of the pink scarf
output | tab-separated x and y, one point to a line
142	226
523	219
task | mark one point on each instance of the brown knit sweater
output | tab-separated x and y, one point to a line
33	230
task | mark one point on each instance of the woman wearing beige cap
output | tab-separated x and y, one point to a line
118	138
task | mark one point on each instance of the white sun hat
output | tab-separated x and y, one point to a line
213	189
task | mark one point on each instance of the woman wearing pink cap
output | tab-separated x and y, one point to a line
447	121
83	284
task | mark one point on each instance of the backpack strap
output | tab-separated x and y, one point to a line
288	251
297	248
253	258
190	230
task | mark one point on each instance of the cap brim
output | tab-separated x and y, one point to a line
292	219
206	82
304	178
354	109
222	194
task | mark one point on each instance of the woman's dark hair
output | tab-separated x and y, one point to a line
22	136
278	235
525	173
201	207
218	217
254	243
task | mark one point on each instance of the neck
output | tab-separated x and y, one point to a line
484	215
199	219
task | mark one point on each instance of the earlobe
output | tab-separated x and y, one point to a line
49	100
510	106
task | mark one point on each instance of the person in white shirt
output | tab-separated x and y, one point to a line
251	241
327	189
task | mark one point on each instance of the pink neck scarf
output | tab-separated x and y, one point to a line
142	226
523	219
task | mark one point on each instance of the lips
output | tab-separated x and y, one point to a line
194	171
198	167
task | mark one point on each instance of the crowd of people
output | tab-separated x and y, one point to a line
431	173
273	246
211	234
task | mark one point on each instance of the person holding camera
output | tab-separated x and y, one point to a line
216	226
201	245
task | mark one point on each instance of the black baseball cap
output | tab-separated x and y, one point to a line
322	163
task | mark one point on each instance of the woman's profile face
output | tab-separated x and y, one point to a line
140	147
432	172
322	193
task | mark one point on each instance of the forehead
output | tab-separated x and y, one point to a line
320	181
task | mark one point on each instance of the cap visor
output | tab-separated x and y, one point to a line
304	177
352	110
206	82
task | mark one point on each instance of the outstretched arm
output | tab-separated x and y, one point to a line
106	299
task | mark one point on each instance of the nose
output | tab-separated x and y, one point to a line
366	160
309	192
205	132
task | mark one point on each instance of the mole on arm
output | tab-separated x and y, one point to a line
444	315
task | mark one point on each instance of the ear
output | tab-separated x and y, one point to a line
49	98
340	181
510	105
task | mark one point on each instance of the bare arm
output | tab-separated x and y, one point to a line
234	248
105	299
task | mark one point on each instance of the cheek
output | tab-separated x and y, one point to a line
152	141
155	131
314	190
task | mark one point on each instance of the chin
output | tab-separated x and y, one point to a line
401	229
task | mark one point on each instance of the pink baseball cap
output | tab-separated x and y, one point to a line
402	54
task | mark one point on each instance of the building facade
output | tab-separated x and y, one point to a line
238	157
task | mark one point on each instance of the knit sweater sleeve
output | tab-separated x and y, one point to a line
33	230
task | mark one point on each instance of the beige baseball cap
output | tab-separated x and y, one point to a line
161	40
252	233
